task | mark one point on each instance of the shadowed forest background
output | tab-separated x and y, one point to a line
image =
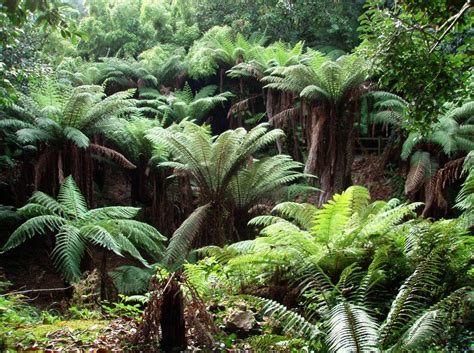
268	175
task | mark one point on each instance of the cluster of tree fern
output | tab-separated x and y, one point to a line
172	138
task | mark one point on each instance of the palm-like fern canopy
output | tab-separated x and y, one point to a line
212	162
75	227
56	113
454	132
319	78
183	104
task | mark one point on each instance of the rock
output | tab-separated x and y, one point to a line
240	321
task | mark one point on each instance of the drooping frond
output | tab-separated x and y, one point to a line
37	225
303	213
112	155
131	279
426	328
408	301
68	252
258	180
422	169
182	239
371	279
351	329
76	136
291	322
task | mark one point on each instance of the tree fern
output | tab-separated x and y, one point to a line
74	226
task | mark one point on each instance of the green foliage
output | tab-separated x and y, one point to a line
453	131
348	299
256	181
320	78
465	198
122	309
313	22
220	48
83	313
351	329
129	135
74	227
131	279
184	104
56	113
422	58
211	163
291	322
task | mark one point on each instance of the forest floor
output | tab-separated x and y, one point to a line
46	320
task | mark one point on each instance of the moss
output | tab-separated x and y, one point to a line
42	330
82	331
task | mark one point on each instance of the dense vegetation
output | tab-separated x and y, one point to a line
262	175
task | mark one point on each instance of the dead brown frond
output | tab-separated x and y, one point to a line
240	106
450	173
174	303
112	155
282	117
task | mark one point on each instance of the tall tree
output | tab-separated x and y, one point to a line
329	94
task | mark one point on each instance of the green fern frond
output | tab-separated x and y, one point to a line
413	291
351	329
37	225
291	322
68	252
302	213
182	239
71	199
131	279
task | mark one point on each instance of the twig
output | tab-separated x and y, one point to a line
35	290
466	6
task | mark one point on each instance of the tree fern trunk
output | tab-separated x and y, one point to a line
331	149
173	327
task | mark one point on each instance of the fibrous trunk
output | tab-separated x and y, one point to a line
331	149
173	328
56	163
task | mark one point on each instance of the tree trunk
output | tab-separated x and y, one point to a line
331	149
173	328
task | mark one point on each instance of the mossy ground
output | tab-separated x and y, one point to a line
74	331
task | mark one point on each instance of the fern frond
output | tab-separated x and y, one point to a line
413	291
131	279
71	199
68	252
183	237
38	225
292	323
351	329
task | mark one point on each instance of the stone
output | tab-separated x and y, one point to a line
240	321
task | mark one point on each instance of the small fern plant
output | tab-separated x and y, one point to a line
75	227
